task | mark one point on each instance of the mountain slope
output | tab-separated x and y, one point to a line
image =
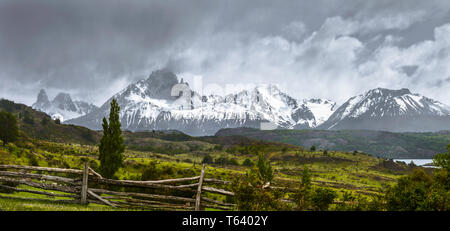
390	110
148	105
38	125
378	143
321	109
62	107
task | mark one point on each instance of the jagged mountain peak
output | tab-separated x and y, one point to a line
42	96
319	101
388	92
320	108
158	85
272	89
42	100
62	98
385	109
64	102
161	77
275	97
386	102
147	104
62	106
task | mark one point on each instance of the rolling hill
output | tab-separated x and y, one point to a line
38	125
378	143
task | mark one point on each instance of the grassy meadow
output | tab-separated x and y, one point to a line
356	173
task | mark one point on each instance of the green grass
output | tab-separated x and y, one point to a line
27	205
340	171
379	143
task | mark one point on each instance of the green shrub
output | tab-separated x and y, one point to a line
33	161
45	121
226	161
233	161
168	170
250	194
302	197
322	198
218	147
248	163
28	118
150	172
350	202
419	191
207	159
443	160
264	169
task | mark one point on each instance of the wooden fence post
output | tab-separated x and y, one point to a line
199	189
84	186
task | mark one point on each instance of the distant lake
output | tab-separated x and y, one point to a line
418	162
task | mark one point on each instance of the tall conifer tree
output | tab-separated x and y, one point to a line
111	146
9	130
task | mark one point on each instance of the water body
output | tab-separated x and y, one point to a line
418	162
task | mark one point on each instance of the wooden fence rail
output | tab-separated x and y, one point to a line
87	186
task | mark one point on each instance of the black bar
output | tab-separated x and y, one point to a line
240	221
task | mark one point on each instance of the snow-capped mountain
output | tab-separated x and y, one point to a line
390	110
62	106
148	105
321	109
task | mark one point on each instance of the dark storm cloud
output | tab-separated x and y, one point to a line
94	48
59	42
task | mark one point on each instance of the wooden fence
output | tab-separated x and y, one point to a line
86	186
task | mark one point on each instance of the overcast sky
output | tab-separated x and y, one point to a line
322	49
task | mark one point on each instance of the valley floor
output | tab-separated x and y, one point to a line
355	173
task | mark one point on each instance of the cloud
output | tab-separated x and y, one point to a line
391	21
306	67
296	30
430	57
324	48
325	64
